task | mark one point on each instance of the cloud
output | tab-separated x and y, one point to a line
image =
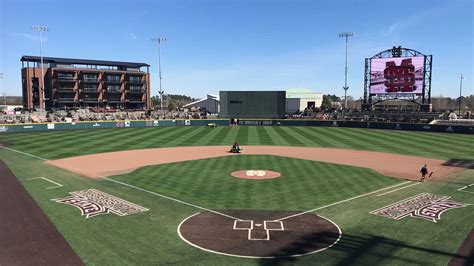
31	37
413	20
133	36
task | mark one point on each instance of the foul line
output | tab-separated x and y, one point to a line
342	201
138	188
31	155
44	178
461	189
173	199
388	192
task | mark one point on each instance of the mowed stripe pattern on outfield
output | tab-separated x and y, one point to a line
61	144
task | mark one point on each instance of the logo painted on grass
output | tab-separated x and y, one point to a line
425	205
255	173
93	202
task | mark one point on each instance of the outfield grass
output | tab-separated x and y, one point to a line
54	145
151	237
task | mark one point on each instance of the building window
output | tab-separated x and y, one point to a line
135	79
240	102
90	77
65	87
135	88
90	87
113	78
113	88
65	75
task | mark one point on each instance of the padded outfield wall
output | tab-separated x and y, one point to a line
18	128
252	104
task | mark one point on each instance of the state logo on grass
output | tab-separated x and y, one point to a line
93	202
425	205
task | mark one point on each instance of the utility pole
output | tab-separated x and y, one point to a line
460	95
346	35
40	29
159	40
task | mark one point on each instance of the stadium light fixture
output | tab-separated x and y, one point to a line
159	40
346	35
40	29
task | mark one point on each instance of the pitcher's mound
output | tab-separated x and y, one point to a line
256	174
259	234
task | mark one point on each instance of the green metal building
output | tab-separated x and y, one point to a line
252	104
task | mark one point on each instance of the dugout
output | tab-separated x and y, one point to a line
252	104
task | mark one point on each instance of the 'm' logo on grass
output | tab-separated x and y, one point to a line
93	202
425	205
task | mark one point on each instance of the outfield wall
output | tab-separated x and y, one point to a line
17	128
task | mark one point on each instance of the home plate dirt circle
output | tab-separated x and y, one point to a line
255	174
259	234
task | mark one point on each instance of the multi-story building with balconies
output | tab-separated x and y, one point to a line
77	83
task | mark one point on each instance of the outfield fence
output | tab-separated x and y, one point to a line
38	127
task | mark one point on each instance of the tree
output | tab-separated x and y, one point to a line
179	100
328	101
171	105
326	104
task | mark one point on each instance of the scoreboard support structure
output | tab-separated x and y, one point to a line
423	99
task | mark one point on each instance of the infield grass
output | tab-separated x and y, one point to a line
302	185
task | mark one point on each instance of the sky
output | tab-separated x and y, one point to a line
243	44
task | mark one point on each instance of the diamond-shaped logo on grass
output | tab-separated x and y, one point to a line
93	202
425	205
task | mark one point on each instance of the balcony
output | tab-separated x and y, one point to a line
112	100
140	91
90	90
112	79
134	99
65	89
65	79
90	80
135	81
64	100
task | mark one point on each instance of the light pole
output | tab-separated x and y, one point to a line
460	95
40	29
4	94
346	35
159	40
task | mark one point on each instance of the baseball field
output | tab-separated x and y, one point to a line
174	195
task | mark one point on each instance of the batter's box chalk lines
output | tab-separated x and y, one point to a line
44	178
342	201
251	227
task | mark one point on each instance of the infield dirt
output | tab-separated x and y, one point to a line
121	162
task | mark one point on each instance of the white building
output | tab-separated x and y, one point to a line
298	99
211	103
